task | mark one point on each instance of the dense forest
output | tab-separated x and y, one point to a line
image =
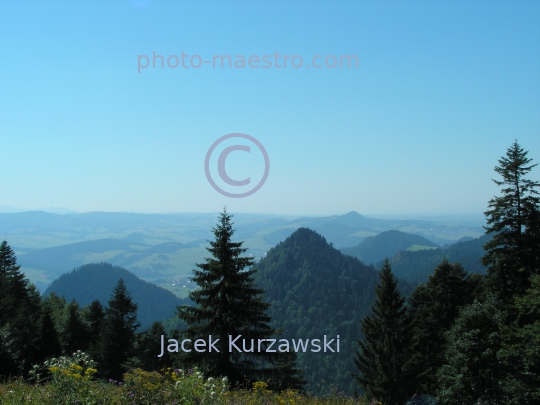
315	290
92	282
417	266
469	333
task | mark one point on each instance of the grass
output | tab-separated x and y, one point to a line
70	381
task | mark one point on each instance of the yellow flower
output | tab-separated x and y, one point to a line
90	371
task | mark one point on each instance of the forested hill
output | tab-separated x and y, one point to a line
97	281
416	266
316	290
386	244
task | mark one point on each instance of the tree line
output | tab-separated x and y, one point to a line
34	329
459	337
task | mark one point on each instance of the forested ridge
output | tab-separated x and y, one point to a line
374	249
315	290
96	282
417	266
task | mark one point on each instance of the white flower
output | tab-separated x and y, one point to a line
210	379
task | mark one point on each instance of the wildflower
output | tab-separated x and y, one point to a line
210	380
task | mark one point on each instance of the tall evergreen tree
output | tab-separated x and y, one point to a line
118	338
433	308
512	255
49	341
75	333
94	314
384	355
229	304
19	313
150	346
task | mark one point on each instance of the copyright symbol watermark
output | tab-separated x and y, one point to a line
243	187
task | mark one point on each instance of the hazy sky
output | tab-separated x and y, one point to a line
441	90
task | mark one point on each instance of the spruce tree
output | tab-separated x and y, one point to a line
118	338
49	341
75	333
150	345
512	256
384	355
433	308
19	313
94	315
229	304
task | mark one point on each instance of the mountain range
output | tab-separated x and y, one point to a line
165	246
314	289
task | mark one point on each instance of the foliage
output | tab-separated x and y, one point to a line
433	308
74	385
521	349
96	282
149	345
512	255
19	313
417	266
117	338
384	355
473	371
316	290
229	304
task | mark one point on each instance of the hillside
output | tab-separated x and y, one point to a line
97	281
316	290
416	266
386	244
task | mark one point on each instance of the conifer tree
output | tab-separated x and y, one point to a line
49	341
512	256
473	372
384	355
521	349
150	346
433	308
94	315
229	304
75	333
19	313
118	338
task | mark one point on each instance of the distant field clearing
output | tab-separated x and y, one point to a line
414	248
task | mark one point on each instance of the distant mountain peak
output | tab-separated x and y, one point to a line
352	214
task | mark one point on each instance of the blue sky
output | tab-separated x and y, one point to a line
441	91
